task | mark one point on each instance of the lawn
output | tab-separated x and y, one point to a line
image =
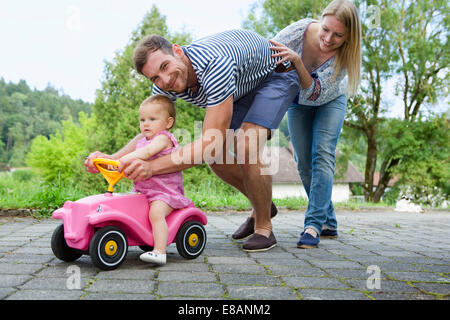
25	189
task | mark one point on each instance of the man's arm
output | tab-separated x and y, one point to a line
217	118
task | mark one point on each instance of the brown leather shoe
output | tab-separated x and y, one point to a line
248	227
258	242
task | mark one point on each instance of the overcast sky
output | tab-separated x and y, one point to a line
65	43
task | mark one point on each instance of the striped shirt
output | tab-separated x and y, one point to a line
229	63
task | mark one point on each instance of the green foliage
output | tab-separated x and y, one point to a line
422	148
270	16
58	157
22	175
26	114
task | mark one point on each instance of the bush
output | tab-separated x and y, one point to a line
22	175
58	158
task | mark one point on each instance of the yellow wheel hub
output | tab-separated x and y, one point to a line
193	240
111	247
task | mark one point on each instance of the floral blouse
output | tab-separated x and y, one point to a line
324	87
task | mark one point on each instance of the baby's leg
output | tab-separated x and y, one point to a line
159	210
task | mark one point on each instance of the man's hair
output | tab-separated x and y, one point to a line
164	101
149	43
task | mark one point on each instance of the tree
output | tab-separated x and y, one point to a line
26	114
409	44
405	41
123	90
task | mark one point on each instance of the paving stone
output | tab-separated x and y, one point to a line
315	282
189	289
385	286
122	286
322	294
18	268
296	271
8	280
118	296
261	293
338	269
4	292
248	279
231	268
46	295
439	288
192	276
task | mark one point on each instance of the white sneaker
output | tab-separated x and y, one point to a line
153	257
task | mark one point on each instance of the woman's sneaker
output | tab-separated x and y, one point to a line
307	241
327	233
153	257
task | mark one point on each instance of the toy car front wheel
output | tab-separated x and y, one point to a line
60	248
191	239
108	248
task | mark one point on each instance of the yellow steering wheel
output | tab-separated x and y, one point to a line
111	176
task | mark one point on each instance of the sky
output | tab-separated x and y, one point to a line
66	43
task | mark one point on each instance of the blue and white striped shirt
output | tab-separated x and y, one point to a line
229	63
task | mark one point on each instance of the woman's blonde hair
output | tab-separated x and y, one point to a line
349	54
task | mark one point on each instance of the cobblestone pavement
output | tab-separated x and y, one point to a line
378	255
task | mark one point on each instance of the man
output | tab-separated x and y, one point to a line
231	74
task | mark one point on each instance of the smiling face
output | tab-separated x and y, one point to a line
153	118
332	34
168	72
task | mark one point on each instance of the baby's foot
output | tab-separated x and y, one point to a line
153	257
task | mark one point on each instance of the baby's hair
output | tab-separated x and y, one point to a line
164	101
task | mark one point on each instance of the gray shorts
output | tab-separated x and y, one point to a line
267	104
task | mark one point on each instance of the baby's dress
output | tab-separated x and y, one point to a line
165	187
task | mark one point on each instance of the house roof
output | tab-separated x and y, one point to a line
287	168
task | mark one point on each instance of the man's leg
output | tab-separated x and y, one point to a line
245	173
258	187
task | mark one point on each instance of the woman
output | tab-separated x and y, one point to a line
327	57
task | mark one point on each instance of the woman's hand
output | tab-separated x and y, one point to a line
285	53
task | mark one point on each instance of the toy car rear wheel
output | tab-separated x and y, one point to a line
108	248
60	248
191	239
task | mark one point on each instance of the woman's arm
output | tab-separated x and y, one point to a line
287	54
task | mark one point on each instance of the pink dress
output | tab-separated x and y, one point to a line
165	187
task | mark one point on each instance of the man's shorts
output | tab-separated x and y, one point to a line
267	104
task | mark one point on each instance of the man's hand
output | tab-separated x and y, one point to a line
135	169
90	167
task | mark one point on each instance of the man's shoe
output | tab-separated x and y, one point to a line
327	233
245	230
258	242
248	227
307	241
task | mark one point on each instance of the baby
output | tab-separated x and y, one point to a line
164	192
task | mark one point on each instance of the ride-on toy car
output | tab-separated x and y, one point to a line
104	225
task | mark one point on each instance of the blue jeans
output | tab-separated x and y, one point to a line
314	132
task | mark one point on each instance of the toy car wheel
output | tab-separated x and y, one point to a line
108	248
191	239
60	248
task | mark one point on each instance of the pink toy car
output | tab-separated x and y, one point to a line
104	225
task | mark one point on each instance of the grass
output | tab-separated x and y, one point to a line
27	190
